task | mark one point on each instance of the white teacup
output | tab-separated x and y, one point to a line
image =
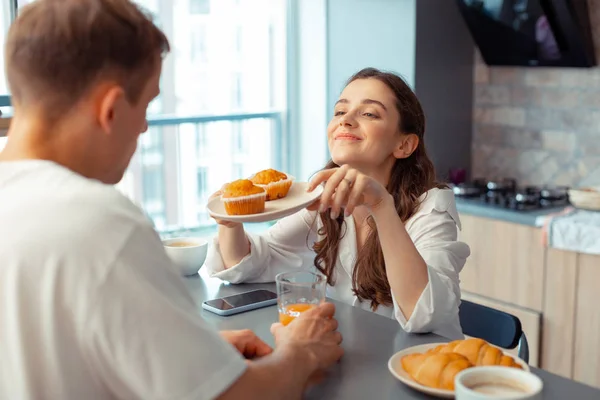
187	253
497	383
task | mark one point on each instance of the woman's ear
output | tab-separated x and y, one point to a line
408	144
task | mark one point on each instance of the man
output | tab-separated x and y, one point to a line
89	307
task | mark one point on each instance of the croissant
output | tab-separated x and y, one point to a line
435	370
478	352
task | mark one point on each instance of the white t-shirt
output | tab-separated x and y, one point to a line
90	307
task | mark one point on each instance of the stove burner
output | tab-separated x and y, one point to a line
546	203
467	190
526	198
502	185
504	193
554	193
535	190
480	183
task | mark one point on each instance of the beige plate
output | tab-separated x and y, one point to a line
395	367
296	199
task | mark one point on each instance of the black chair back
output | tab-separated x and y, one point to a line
494	326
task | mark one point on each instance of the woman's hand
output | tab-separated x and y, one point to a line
228	224
347	188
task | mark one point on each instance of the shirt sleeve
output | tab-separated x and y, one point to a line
146	340
285	246
434	233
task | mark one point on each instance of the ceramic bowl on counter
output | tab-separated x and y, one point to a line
586	198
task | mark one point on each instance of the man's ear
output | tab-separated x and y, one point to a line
109	100
407	145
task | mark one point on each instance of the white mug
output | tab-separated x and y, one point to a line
187	253
497	383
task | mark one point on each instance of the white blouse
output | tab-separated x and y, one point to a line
287	245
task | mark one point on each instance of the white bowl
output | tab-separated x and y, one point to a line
189	256
487	383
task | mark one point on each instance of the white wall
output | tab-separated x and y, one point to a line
309	117
334	39
369	33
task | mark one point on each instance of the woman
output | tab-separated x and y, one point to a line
385	233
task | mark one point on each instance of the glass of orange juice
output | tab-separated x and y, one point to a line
298	291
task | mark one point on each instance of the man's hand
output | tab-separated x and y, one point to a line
247	343
315	332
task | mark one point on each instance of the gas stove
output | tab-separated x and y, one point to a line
506	193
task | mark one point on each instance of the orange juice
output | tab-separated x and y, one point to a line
290	312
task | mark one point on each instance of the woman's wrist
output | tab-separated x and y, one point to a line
230	229
384	209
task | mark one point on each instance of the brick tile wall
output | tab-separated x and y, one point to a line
540	126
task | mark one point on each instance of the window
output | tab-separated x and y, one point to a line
6	15
202	183
198	50
154	202
238	139
200	6
238	170
202	190
5	18
201	141
238	39
227	64
236	90
221	110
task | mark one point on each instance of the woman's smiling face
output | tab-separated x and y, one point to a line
364	131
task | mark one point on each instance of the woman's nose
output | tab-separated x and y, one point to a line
347	120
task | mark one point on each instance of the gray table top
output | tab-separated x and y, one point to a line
369	341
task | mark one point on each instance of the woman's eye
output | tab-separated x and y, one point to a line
370	115
338	113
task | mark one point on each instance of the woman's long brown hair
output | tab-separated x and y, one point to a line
410	178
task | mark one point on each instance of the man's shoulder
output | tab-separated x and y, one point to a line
99	201
59	223
95	210
55	204
89	199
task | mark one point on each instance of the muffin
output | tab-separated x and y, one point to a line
277	184
242	197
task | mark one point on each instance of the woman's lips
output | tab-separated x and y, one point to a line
347	137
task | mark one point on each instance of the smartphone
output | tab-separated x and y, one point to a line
241	302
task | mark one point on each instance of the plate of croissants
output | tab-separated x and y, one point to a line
431	368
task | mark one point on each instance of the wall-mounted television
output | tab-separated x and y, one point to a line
531	32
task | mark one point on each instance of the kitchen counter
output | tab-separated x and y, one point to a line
530	218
